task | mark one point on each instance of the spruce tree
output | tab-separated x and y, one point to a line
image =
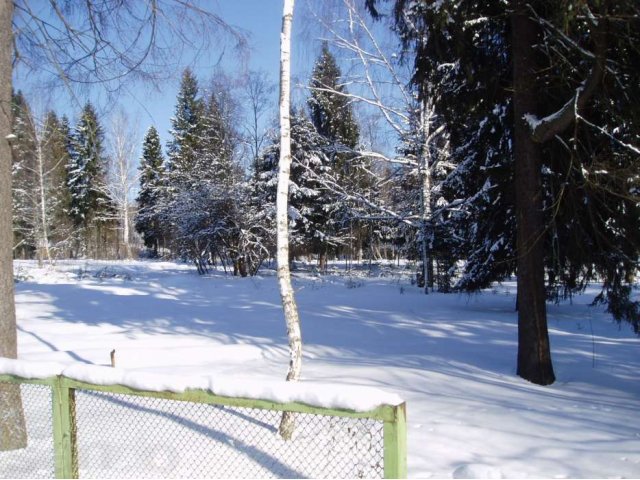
533	133
188	132
56	152
217	163
329	106
205	198
223	176
314	208
332	116
90	207
147	220
24	181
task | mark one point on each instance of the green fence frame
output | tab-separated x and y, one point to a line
64	426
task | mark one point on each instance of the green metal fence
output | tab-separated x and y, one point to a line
97	431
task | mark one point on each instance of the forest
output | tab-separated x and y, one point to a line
447	181
445	192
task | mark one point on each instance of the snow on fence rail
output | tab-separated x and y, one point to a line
90	421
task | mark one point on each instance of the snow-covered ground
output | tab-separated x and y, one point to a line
451	357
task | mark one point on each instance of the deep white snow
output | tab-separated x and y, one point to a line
451	357
317	394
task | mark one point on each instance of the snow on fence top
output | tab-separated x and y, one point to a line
317	394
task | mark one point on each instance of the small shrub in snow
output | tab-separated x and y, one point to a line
109	272
353	283
21	275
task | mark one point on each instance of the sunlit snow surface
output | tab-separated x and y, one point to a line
451	357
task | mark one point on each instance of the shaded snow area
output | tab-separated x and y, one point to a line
451	357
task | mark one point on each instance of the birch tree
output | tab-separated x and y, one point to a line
287	424
257	90
24	171
380	84
39	181
122	176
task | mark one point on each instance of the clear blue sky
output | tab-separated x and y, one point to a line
260	20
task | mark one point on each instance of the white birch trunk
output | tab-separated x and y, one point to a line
282	218
424	167
125	232
121	176
43	238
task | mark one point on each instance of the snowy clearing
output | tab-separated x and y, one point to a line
451	357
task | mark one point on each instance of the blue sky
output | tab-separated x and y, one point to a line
260	20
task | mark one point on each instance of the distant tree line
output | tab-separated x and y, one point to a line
61	205
199	203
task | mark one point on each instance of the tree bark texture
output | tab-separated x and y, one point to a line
424	171
534	354
13	433
292	319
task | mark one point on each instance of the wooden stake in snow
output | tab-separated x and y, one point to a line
113	357
292	319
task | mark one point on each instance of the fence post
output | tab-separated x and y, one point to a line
395	444
64	430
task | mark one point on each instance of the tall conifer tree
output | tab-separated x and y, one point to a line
532	136
313	207
147	220
329	105
24	180
90	207
188	133
332	115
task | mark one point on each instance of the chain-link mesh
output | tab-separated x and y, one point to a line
128	436
37	459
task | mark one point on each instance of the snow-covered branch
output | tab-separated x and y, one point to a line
546	128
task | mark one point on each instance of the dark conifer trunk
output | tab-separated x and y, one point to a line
534	355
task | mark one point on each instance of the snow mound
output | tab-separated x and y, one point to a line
476	470
154	382
28	369
317	394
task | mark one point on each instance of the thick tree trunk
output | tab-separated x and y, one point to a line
13	433
323	261
534	354
287	424
7	309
